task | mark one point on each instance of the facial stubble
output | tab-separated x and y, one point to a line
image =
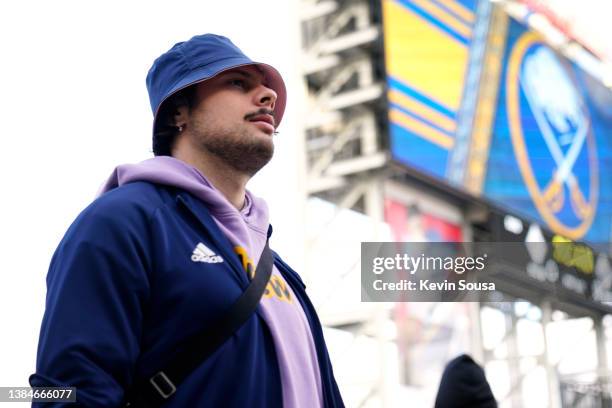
237	146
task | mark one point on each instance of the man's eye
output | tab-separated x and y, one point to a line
238	82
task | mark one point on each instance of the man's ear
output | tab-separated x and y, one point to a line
181	116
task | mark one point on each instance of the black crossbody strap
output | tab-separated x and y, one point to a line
155	390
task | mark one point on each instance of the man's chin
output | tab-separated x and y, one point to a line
254	157
261	158
247	154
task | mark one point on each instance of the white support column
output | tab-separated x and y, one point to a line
474	308
476	346
374	208
554	396
602	351
513	360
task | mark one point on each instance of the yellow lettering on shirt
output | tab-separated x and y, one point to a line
247	262
276	287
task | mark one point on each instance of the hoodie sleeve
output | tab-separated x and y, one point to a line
97	286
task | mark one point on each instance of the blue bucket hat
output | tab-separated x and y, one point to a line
201	58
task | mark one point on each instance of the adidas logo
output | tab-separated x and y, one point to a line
202	253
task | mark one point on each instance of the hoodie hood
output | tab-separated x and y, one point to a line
169	171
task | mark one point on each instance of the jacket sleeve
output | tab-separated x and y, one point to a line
97	286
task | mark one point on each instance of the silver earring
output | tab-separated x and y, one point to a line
180	129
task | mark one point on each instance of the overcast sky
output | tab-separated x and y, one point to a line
74	105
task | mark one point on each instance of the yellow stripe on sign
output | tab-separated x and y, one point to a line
459	9
444	17
422	56
421	129
422	110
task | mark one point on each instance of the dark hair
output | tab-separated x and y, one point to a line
165	129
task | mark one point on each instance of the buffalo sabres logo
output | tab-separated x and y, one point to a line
552	137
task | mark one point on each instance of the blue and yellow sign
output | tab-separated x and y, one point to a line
427	46
541	91
550	148
539	135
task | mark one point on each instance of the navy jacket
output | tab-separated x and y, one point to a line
123	294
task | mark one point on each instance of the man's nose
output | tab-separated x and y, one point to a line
265	97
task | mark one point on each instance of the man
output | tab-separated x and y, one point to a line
173	242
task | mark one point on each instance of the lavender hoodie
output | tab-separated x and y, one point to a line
247	230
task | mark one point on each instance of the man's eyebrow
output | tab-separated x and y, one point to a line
246	74
239	71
